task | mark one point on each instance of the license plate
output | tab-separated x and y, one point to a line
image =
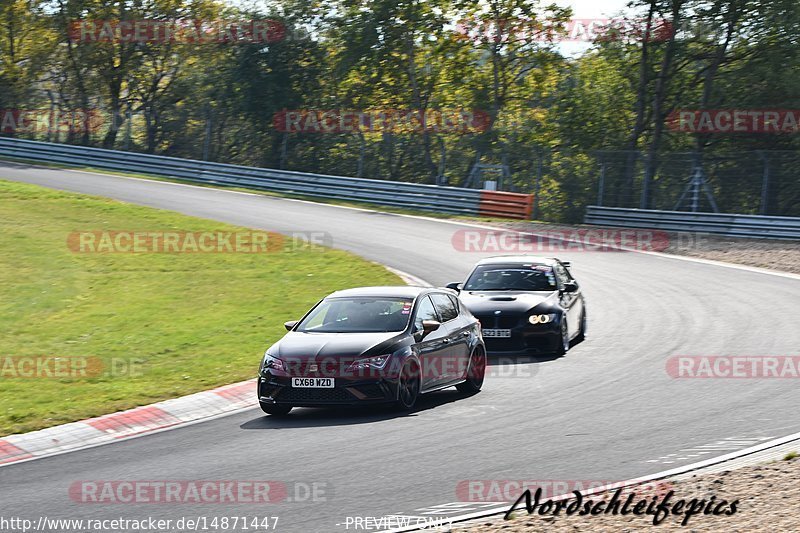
496	332
312	383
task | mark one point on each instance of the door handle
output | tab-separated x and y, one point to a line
465	333
446	341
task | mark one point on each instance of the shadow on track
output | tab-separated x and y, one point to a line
511	360
332	416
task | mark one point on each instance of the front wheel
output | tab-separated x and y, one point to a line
475	373
408	387
582	333
274	409
563	338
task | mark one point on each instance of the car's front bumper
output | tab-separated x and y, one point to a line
525	339
278	390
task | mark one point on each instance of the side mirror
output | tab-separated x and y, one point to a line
290	325
429	326
456	286
570	286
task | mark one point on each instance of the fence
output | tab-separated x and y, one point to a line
763	182
436	198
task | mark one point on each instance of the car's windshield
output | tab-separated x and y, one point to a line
513	277
358	315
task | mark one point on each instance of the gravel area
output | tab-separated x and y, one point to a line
768	500
772	254
783	255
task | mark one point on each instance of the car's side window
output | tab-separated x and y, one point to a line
425	311
446	307
455	303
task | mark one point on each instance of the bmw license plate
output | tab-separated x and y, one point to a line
496	332
312	383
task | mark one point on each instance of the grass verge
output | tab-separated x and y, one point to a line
160	325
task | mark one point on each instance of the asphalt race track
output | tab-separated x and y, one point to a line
608	410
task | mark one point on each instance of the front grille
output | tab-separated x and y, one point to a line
504	344
499	321
289	394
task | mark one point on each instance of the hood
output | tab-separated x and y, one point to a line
485	302
312	346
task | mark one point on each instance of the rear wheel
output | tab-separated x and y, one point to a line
408	387
274	409
475	373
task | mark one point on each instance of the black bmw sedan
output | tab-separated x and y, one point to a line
372	345
525	304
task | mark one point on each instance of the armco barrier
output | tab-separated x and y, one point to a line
755	226
453	200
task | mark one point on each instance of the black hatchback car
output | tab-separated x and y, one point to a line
525	304
372	345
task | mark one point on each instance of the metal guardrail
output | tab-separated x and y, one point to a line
755	226
436	198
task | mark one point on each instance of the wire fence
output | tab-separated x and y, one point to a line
751	182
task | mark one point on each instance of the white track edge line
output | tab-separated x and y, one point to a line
409	279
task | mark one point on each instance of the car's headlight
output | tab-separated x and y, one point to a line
378	361
272	362
542	319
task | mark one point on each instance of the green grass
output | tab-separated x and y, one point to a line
188	321
790	456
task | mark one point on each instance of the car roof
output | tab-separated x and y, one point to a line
521	258
394	291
